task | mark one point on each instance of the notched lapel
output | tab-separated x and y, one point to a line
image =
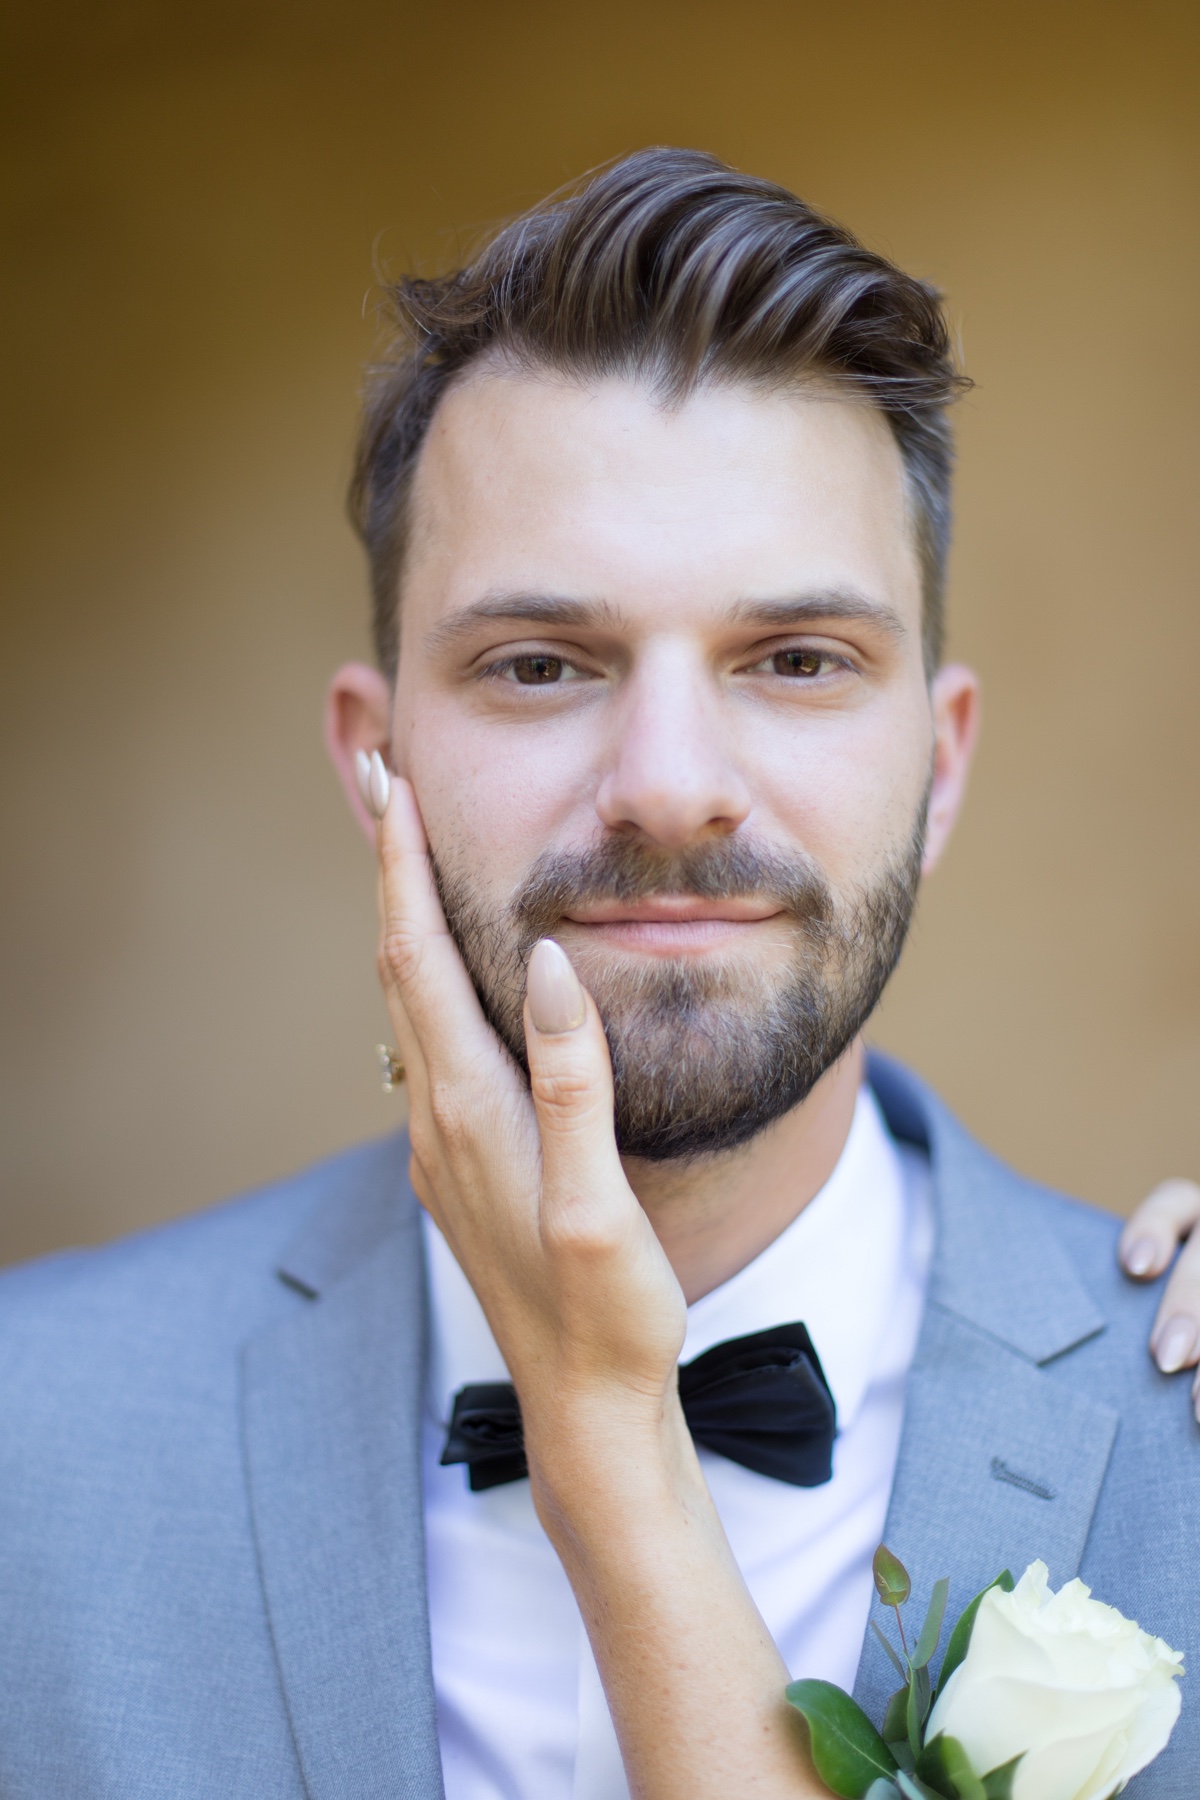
332	1421
999	1463
1001	1460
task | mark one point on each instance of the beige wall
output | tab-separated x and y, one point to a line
192	201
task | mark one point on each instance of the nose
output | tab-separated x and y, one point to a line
672	773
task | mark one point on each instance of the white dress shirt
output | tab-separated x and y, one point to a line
521	1712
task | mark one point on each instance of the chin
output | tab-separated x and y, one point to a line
728	970
704	1061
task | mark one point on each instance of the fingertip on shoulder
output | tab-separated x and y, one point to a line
1155	1229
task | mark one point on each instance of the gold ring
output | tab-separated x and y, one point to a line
390	1068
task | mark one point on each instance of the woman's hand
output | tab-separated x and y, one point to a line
1152	1235
525	1182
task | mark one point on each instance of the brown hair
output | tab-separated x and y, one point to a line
670	266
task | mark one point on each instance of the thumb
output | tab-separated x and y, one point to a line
570	1079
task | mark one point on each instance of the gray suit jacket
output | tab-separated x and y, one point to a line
212	1577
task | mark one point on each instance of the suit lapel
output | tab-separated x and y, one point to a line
332	1421
1001	1461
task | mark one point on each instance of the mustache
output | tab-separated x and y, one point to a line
620	868
705	1055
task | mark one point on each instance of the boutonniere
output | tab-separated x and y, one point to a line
1040	1696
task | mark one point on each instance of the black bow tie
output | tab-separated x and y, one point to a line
762	1400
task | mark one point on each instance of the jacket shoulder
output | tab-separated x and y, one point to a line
1038	1270
204	1280
129	1581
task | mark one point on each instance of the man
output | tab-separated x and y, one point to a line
656	499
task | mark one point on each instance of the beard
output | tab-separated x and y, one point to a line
705	1053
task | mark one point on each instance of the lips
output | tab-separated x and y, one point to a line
670	924
675	909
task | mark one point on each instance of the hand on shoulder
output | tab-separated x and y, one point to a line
1165	1221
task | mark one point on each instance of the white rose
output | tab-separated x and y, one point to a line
1085	1693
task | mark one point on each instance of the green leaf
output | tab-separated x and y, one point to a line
881	1789
903	1755
913	1788
847	1751
895	1719
944	1765
960	1637
891	1577
931	1630
918	1708
899	1667
998	1784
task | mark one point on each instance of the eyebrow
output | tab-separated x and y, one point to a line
538	609
810	609
557	610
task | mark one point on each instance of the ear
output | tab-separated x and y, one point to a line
358	716
954	697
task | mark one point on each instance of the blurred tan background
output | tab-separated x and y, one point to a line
194	195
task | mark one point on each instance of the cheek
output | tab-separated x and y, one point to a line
847	789
494	797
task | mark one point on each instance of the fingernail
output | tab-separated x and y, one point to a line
1141	1255
362	774
379	786
553	991
1175	1345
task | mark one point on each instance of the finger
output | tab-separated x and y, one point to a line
418	957
407	1043
570	1079
1175	1340
1153	1233
424	1135
607	1271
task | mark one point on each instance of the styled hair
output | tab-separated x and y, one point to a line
673	268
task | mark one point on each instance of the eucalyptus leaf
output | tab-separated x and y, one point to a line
918	1708
895	1719
944	1765
960	1637
899	1667
903	1755
891	1577
931	1630
930	1768
998	1783
881	1789
847	1751
913	1788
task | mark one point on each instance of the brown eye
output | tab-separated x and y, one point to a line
797	662
536	671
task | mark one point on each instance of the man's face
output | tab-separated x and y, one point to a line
661	696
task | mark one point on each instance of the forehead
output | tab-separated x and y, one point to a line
540	482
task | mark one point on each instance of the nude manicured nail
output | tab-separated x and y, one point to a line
362	775
1141	1256
379	785
1175	1345
553	991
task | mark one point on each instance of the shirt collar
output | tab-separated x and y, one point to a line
837	1268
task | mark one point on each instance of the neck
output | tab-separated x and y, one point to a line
714	1215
